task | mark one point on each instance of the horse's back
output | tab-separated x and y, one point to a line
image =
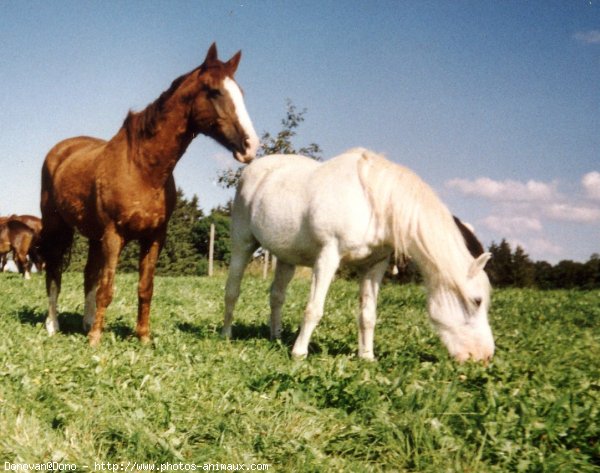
84	148
269	203
19	233
33	222
294	205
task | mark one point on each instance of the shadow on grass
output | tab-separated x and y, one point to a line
121	329
241	331
197	330
71	322
244	331
249	331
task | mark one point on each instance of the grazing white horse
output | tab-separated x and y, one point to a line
361	209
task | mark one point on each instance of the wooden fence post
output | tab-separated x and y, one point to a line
266	257
211	249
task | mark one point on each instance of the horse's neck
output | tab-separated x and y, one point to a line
156	156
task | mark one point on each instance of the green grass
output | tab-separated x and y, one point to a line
193	397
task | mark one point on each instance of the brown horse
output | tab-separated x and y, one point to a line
3	254
23	241
33	222
123	189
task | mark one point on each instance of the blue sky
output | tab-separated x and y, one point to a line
495	104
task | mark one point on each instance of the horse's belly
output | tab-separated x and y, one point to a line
288	243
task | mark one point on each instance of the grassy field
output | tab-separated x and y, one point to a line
195	398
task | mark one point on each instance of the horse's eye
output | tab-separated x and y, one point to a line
477	302
213	93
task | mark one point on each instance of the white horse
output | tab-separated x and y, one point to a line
360	209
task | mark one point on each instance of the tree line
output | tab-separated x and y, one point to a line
187	246
514	268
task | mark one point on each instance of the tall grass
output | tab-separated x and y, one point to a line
192	397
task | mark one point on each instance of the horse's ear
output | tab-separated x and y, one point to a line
478	264
211	55
233	63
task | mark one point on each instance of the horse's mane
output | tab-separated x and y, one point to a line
142	125
420	225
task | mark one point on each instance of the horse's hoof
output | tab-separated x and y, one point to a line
367	357
145	339
226	332
88	322
52	326
94	338
299	356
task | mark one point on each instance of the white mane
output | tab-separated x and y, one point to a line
419	224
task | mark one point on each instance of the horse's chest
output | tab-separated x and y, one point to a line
143	214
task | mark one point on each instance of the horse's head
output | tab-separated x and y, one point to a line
460	314
218	108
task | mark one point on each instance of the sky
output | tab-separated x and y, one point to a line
495	104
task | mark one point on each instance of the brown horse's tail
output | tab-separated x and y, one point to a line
56	237
55	249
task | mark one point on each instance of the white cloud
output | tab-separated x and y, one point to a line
588	37
573	213
535	214
505	191
591	184
513	224
541	246
537	247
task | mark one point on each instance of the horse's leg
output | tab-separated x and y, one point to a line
91	275
323	273
55	245
35	258
149	252
4	246
22	262
283	275
112	244
24	249
20	246
369	289
240	256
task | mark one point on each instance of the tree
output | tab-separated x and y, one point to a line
544	277
569	274
499	267
201	235
178	257
510	269
592	270
280	143
523	271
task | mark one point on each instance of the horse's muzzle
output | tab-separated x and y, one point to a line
249	150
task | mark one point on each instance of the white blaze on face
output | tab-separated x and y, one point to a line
240	109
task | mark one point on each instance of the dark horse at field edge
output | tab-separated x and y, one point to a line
123	189
21	235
